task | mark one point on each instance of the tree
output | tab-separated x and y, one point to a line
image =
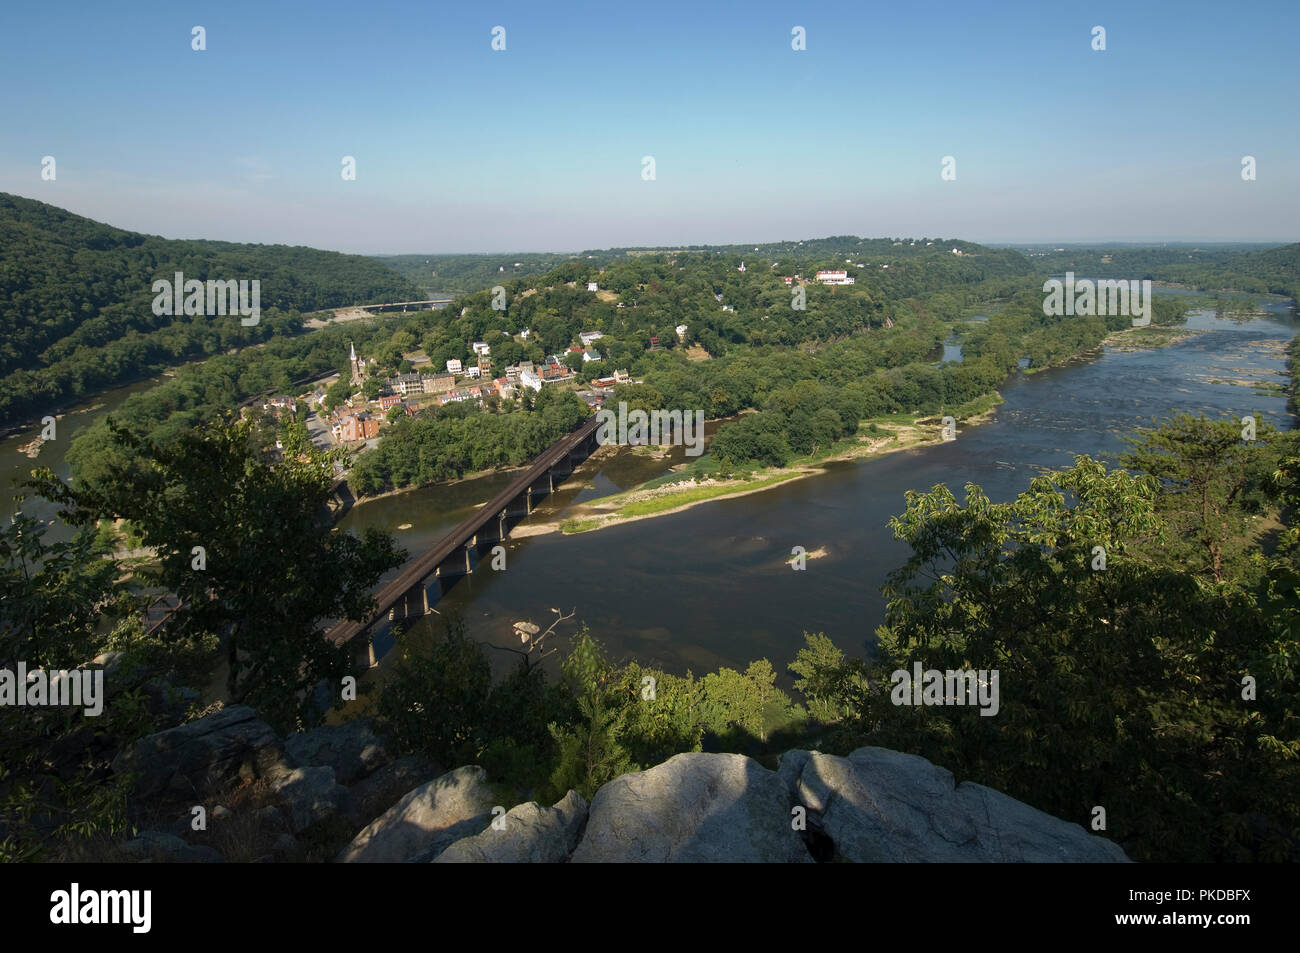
371	388
54	595
338	393
1120	682
1214	485
246	547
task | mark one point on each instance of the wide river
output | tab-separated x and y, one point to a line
710	586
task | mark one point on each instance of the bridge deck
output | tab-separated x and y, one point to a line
424	565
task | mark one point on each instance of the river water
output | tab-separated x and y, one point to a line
710	586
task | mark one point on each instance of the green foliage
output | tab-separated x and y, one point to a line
1120	686
270	567
79	316
460	438
54	597
434	705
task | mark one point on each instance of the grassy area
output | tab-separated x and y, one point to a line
670	501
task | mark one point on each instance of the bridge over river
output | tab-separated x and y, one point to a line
426	578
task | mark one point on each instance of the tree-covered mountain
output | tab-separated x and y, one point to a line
76	299
1211	267
450	275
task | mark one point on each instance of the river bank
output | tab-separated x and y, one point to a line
882	437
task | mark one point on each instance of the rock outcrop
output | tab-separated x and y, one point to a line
882	805
351	749
313	790
431	817
203	757
528	833
693	807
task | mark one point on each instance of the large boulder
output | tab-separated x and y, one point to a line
311	795
527	833
693	807
203	757
351	749
379	791
437	813
881	805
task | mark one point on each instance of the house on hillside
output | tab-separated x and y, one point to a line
586	337
454	366
834	278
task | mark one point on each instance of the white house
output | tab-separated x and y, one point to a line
481	347
590	354
529	378
681	332
591	286
834	278
473	371
453	366
525	333
586	337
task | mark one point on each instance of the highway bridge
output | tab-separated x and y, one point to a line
426	578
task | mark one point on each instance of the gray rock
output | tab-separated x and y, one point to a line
157	846
351	749
204	756
381	790
881	805
311	796
693	808
469	827
415	822
529	833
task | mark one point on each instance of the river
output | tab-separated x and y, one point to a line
710	586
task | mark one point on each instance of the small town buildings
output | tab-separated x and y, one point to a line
454	366
590	355
389	402
530	378
481	348
472	371
438	383
586	337
591	286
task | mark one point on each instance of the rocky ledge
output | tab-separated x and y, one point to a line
875	805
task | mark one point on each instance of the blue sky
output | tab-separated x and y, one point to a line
539	147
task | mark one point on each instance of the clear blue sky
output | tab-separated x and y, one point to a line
539	147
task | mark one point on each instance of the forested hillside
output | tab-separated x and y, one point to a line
449	275
76	300
1211	267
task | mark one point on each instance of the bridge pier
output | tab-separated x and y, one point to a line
409	596
364	655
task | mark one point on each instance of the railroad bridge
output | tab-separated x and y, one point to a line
424	580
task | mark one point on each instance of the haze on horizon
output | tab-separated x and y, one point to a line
460	148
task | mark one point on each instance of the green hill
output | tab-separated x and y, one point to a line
76	298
